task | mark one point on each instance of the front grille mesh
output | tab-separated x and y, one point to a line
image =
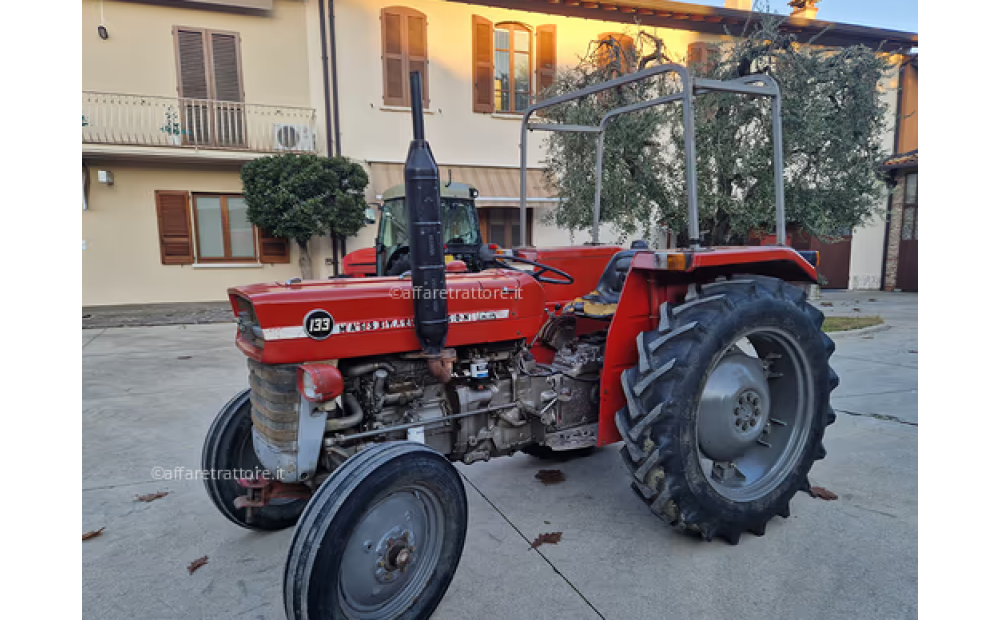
275	403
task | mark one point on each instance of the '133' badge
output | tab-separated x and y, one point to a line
318	324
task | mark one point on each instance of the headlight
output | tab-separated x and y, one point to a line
320	381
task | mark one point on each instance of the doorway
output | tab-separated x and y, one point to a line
502	226
906	272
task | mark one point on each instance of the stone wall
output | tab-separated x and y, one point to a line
895	229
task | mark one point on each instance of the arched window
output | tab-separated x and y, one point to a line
616	50
512	67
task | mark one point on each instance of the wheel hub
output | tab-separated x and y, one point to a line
392	540
734	408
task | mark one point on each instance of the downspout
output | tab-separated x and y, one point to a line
332	136
326	79
336	88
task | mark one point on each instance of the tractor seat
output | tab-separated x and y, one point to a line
602	302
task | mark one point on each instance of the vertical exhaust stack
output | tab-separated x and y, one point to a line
423	205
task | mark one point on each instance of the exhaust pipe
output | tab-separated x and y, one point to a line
423	205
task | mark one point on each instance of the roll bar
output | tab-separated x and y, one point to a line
753	85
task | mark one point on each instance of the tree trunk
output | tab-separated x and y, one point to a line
305	261
336	253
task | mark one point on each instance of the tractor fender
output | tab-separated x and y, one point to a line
656	277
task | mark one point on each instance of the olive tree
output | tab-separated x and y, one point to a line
834	121
300	196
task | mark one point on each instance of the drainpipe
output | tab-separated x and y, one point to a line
332	118
336	88
326	79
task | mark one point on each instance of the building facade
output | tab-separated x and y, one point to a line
176	98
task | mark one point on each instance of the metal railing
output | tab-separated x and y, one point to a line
140	120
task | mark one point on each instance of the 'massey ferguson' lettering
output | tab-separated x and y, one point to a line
354	327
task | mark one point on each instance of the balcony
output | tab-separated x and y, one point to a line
187	125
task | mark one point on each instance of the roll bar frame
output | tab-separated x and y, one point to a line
754	85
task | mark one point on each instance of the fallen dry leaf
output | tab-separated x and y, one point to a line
151	496
828	304
822	493
92	533
551	538
550	476
193	566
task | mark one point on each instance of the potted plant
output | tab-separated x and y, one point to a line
172	127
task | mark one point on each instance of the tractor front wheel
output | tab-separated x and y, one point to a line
228	454
727	406
380	539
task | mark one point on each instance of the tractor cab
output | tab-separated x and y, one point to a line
460	228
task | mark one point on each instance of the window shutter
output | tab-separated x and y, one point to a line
482	65
226	67
545	58
174	222
416	54
700	53
393	59
191	64
273	249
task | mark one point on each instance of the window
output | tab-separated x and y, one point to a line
503	80
212	228
222	229
616	51
502	226
210	84
404	49
909	232
512	67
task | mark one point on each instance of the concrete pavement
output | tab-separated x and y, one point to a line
150	394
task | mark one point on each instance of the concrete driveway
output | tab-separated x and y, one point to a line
150	394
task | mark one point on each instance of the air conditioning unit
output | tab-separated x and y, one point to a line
294	138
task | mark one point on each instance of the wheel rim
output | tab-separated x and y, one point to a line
753	415
391	554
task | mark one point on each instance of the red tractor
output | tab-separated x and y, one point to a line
708	364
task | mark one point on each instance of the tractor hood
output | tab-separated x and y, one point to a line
295	322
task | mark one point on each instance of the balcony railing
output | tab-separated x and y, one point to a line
140	120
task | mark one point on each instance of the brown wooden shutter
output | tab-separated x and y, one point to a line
700	53
482	65
226	67
192	65
393	59
545	58
416	54
174	222
273	249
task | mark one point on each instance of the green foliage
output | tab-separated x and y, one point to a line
172	124
834	121
300	196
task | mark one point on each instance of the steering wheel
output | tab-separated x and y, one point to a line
564	278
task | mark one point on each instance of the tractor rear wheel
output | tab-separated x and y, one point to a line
381	538
228	453
727	406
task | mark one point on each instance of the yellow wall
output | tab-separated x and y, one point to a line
457	135
908	116
139	56
121	259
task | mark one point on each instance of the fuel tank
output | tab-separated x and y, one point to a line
286	323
